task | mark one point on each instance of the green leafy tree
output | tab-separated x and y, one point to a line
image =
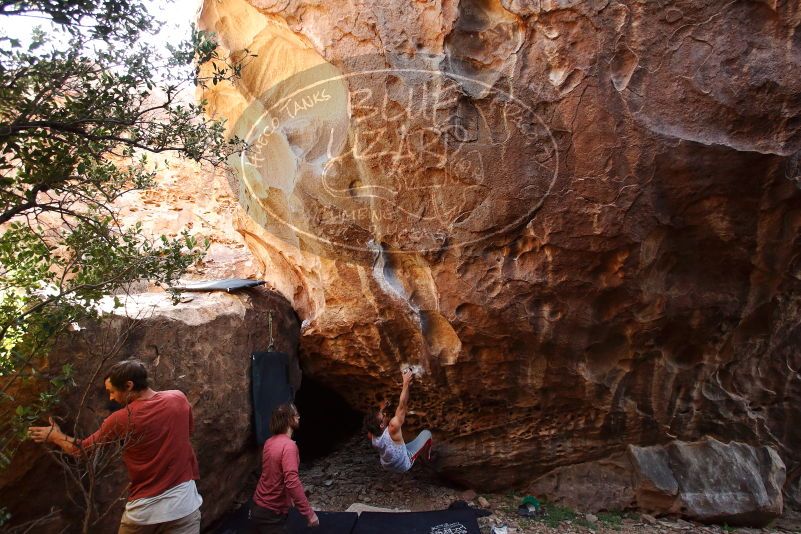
82	104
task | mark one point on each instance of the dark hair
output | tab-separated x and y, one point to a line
372	424
122	372
282	417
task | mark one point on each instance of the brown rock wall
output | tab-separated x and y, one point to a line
592	242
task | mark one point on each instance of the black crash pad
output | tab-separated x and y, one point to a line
234	522
330	523
228	284
270	386
237	522
433	522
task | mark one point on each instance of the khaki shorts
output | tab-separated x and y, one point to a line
189	524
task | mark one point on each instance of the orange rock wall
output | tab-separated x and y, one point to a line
591	240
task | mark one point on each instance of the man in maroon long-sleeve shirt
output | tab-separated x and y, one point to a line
279	485
155	429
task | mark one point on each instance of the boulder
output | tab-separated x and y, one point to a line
201	346
710	481
596	486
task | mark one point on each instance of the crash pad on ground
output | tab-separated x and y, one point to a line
433	522
330	523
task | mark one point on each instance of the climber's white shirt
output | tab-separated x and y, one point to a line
394	456
177	502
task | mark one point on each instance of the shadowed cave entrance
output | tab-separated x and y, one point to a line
339	467
326	420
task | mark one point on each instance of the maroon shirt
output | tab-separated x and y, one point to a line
279	485
155	433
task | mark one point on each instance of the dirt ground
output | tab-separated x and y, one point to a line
352	475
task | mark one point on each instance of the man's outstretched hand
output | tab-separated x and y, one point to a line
314	521
43	434
53	434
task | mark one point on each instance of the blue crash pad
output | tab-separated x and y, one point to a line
269	372
228	284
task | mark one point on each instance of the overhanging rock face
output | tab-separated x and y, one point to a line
581	219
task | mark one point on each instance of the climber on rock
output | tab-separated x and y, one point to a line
386	434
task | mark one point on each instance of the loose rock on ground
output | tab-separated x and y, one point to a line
356	476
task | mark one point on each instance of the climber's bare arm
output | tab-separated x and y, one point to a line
403	404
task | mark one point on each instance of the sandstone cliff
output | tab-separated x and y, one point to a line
580	218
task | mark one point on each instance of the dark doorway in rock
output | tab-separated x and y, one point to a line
326	420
